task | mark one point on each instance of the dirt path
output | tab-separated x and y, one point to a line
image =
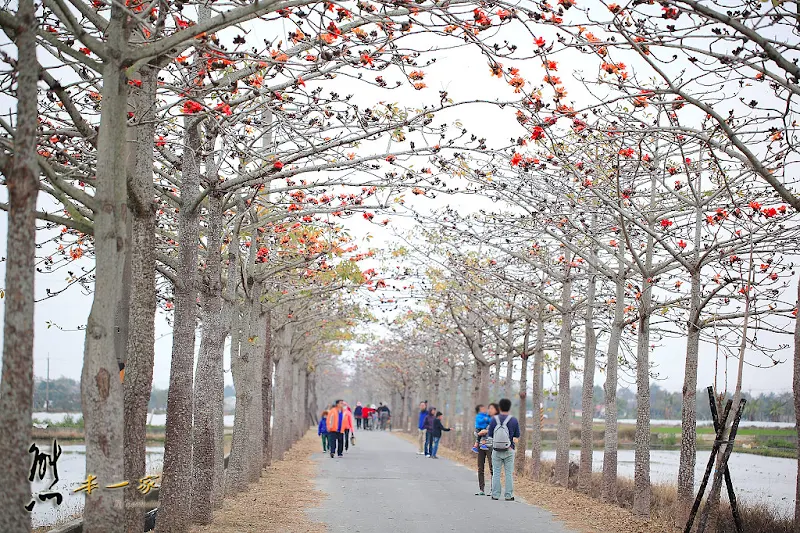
278	501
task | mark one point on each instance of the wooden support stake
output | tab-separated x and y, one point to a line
710	465
737	518
716	486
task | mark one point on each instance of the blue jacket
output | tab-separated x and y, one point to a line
482	421
323	427
422	415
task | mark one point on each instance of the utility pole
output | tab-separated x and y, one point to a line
47	387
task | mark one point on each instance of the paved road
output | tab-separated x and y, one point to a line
381	485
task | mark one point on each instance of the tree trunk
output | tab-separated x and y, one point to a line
255	415
565	361
212	347
141	329
266	392
508	382
452	392
641	495
537	397
234	474
231	324
796	391
522	444
16	386
609	490
689	405
587	398
483	379
101	390
173	511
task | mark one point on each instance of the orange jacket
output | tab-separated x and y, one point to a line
333	421
347	421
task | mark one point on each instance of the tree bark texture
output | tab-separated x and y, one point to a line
522	444
176	484
16	385
101	390
141	327
587	398
796	391
689	405
565	362
537	397
609	489
266	392
209	364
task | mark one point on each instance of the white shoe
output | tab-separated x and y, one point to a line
420	453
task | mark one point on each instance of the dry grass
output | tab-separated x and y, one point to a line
276	503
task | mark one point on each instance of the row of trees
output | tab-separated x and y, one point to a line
210	172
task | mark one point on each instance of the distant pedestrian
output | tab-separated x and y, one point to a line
428	424
366	414
335	426
438	427
373	414
383	414
503	432
322	430
357	414
485	455
348	426
423	412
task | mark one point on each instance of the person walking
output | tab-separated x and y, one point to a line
373	413
335	424
428	424
357	414
366	413
322	430
423	412
347	425
485	454
504	431
438	427
383	415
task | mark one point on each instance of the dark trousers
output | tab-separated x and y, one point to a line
428	443
484	456
346	439
336	442
358	423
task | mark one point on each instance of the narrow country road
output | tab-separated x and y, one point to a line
381	486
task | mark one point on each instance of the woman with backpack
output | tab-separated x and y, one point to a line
503	431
